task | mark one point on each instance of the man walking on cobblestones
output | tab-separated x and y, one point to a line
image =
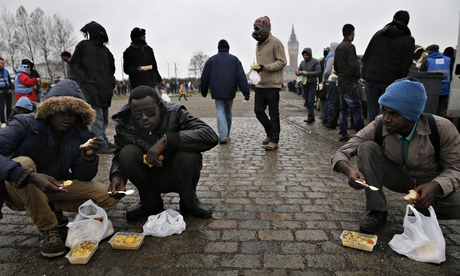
222	74
271	59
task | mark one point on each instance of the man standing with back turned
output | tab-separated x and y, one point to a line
222	73
271	59
388	57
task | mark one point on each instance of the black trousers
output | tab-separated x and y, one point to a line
180	173
268	97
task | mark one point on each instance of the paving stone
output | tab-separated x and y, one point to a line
275	213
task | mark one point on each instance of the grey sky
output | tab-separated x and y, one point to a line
177	28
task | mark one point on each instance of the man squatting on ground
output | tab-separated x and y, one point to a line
406	159
41	150
148	125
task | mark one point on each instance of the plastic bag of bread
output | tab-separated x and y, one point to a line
422	239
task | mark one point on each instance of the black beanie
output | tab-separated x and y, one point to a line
223	44
136	33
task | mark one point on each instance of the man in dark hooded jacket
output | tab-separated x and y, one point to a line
388	57
41	150
309	68
93	67
139	62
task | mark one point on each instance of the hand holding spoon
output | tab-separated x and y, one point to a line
367	186
128	192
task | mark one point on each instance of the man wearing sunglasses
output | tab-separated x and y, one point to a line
149	126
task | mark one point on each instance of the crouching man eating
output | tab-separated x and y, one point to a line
407	157
40	151
149	126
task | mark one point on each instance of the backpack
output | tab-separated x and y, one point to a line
434	136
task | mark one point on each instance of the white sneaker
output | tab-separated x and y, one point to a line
3	125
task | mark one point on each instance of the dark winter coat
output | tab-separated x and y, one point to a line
183	132
222	73
93	66
28	134
346	62
390	54
140	55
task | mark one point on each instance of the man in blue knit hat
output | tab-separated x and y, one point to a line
406	158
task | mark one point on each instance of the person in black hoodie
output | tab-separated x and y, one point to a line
388	57
139	62
93	67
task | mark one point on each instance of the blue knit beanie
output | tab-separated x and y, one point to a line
405	96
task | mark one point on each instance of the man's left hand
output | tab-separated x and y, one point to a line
427	193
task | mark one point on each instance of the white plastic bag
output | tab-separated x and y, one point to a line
91	223
254	77
165	97
422	239
164	224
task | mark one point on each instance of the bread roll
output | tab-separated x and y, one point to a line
411	196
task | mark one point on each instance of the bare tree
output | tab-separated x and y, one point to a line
62	38
9	36
196	64
41	28
23	24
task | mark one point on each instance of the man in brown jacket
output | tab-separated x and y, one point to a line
406	159
271	59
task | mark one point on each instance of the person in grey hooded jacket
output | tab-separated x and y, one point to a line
311	69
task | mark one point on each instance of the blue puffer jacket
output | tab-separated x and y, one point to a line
222	73
28	134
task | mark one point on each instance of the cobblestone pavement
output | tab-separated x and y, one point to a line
275	213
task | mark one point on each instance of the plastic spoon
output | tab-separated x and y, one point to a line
367	186
128	192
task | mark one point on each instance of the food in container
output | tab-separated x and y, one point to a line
358	240
127	241
82	252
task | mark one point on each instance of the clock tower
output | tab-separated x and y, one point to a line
293	49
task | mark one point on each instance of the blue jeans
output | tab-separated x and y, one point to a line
309	91
350	99
100	124
331	89
268	97
373	92
224	117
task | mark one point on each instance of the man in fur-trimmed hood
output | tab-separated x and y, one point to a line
40	151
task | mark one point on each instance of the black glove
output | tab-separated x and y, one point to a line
246	98
261	67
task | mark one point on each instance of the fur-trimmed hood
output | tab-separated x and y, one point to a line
66	96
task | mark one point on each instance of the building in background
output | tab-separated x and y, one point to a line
293	50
